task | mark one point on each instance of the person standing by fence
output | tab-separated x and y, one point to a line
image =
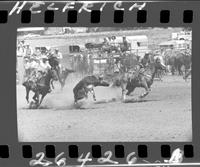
28	51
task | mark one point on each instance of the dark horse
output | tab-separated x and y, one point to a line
145	78
63	73
42	87
178	61
183	60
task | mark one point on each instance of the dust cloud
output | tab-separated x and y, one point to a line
64	99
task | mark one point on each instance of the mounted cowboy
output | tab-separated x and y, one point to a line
39	87
144	79
117	66
44	67
54	58
39	69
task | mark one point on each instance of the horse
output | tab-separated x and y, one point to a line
183	60
127	62
86	85
64	72
177	61
144	78
41	87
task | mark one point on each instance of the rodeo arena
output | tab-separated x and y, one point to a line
119	85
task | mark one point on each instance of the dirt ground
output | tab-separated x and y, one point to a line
164	115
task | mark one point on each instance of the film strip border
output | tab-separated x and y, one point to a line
73	151
95	17
96	151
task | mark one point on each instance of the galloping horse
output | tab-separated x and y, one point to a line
41	87
145	78
138	78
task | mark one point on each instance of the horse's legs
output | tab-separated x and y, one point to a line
147	90
43	95
160	75
36	97
64	80
173	70
52	84
58	74
179	70
91	90
63	84
93	93
187	75
123	86
130	91
27	94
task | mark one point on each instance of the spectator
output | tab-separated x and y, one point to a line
105	42
22	45
48	52
117	66
20	51
125	46
58	54
38	53
160	58
90	64
113	41
29	51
